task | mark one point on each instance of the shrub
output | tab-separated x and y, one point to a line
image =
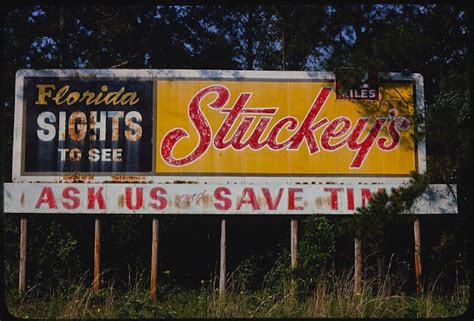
316	248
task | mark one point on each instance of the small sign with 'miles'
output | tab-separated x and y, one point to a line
355	84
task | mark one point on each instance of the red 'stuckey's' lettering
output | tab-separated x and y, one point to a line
244	127
306	130
200	123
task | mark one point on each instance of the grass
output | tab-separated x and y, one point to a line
331	296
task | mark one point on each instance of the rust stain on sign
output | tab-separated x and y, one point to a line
22	199
183	182
77	178
206	200
181	202
176	201
128	179
121	201
133	127
323	202
328	201
261	201
318	202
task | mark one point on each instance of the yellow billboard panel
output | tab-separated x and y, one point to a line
282	128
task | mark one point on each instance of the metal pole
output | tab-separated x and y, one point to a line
222	270
96	282
22	267
154	258
416	230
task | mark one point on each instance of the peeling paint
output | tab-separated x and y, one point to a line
206	201
128	179
261	202
182	182
177	201
121	201
77	178
328	201
318	202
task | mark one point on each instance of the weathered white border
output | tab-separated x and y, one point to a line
203	74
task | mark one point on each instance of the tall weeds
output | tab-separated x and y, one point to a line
331	294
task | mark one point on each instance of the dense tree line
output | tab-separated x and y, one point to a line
432	39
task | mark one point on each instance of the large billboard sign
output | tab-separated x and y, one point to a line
209	141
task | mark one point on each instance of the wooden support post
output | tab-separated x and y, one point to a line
416	230
96	282
222	269
22	267
154	259
294	243
294	253
357	266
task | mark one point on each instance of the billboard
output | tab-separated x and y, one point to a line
210	141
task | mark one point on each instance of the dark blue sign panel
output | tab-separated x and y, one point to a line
97	125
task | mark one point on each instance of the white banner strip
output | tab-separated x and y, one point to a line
209	198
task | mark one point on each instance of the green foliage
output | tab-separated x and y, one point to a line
55	260
246	273
143	308
11	243
375	223
332	297
448	268
280	273
316	248
448	125
372	222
